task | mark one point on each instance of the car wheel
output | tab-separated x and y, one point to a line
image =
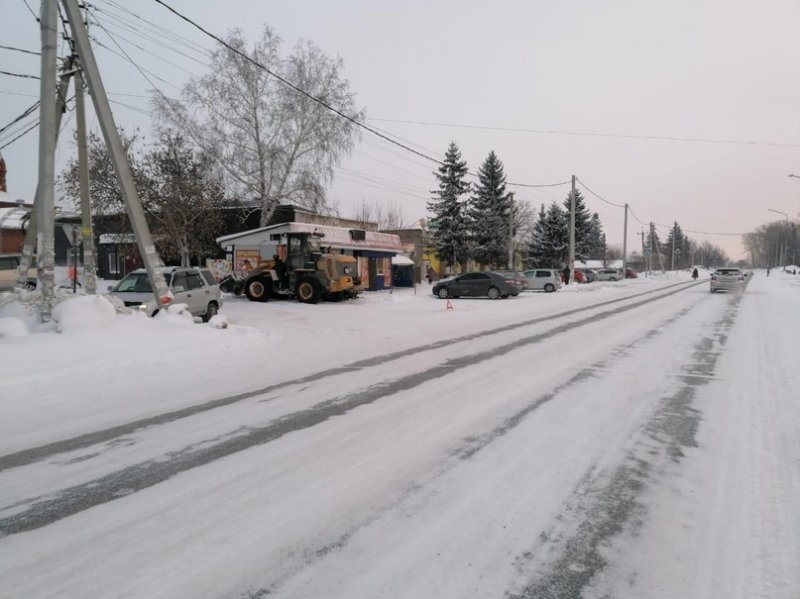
493	293
443	293
549	288
612	278
211	311
257	289
308	291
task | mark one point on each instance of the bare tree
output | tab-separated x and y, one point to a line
274	143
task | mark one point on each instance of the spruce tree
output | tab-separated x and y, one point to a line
582	225
554	244
596	240
535	242
448	221
490	214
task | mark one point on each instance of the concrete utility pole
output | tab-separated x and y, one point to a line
118	156
672	265
511	231
89	281
31	233
625	242
47	156
572	232
645	256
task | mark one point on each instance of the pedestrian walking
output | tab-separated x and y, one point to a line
695	274
565	272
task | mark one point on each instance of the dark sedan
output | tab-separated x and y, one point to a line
474	284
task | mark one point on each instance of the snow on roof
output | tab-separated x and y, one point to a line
336	237
400	259
11	218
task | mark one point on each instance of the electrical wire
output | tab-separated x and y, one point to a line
322	103
35	16
28	130
19	75
20	50
27	112
598	196
588	133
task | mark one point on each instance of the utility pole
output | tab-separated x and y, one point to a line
33	227
672	265
116	150
572	232
653	243
89	281
645	256
47	157
511	231
625	242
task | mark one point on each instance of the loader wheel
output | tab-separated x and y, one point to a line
258	289
308	291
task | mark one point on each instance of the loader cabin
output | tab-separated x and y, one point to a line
292	241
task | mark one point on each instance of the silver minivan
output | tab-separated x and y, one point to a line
543	279
194	287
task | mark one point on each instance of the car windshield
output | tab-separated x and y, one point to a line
137	282
728	271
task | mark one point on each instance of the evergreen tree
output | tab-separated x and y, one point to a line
553	243
490	214
583	225
448	222
535	241
596	239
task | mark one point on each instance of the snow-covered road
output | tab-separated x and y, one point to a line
628	440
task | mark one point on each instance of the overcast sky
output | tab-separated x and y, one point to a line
554	88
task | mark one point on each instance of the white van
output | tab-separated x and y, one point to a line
543	279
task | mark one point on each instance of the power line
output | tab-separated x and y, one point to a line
20	50
28	111
588	133
19	75
28	130
35	16
18	94
597	196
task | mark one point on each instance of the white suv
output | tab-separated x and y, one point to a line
543	279
8	272
194	287
726	279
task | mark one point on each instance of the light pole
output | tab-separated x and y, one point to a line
783	248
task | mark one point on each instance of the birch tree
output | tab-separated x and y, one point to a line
273	143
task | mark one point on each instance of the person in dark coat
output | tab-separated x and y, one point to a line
695	274
565	272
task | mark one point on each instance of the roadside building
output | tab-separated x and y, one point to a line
374	251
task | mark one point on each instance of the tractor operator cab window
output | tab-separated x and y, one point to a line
295	252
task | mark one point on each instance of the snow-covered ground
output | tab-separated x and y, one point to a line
630	439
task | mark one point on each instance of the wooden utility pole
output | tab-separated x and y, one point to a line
625	242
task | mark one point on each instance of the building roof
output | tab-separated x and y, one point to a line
335	237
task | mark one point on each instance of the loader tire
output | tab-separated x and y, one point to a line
308	291
258	289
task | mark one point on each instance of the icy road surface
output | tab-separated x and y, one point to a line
627	440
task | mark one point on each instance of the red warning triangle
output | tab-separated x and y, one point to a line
449	306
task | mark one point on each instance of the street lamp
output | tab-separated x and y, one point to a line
783	249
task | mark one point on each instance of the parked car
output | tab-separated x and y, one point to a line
578	277
194	287
609	274
474	284
543	279
8	272
630	273
590	275
514	278
726	279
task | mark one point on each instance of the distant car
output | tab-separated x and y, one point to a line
630	273
726	279
609	274
474	284
8	272
543	279
194	287
514	278
589	274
